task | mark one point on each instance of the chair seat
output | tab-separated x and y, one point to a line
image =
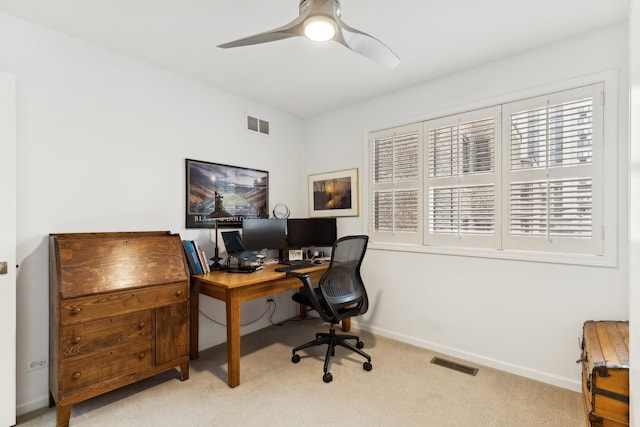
302	298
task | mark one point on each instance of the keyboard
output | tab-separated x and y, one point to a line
296	265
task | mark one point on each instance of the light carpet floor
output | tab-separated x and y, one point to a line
403	389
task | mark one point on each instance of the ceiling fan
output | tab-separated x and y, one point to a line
320	20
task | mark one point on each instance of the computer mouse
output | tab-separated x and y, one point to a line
318	261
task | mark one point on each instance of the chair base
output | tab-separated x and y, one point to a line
332	340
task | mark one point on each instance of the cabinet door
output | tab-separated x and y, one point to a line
172	332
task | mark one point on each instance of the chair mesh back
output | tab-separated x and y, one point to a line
342	286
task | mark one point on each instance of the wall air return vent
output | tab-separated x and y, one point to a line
257	125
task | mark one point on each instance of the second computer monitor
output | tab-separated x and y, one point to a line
308	232
263	233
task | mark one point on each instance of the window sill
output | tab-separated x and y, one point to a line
507	255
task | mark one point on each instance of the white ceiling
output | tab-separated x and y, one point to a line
431	37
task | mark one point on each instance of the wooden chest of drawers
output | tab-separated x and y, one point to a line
119	312
605	373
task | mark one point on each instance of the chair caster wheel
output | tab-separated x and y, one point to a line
327	378
295	358
359	344
367	366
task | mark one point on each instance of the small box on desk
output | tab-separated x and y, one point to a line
605	373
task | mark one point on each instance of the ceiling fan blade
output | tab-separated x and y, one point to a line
293	29
365	45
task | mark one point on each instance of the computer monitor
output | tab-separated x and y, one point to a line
307	232
264	233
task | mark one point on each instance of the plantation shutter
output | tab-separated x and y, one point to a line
460	184
395	184
522	176
553	172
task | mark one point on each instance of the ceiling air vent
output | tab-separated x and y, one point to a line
257	125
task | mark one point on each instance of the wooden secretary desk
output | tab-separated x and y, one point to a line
119	312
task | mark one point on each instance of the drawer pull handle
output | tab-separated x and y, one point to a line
75	310
178	293
141	325
76	340
76	375
141	356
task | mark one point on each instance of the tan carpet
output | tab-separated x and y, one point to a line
403	389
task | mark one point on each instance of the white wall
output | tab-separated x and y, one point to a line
101	146
523	317
634	249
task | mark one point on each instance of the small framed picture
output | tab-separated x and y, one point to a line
333	194
295	254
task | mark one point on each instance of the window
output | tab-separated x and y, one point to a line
552	169
526	175
461	179
395	199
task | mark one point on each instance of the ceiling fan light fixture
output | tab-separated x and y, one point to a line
319	28
321	21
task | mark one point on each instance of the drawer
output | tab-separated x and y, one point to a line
84	372
83	309
98	335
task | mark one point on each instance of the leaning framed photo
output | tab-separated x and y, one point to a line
334	194
224	194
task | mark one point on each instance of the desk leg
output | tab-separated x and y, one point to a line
194	321
233	338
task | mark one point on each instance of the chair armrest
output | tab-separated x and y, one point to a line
305	279
301	276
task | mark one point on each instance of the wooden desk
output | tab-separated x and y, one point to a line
234	288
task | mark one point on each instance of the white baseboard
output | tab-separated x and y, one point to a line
566	383
33	405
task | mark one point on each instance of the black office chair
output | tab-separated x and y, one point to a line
339	294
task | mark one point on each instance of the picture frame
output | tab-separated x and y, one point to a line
224	194
334	194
